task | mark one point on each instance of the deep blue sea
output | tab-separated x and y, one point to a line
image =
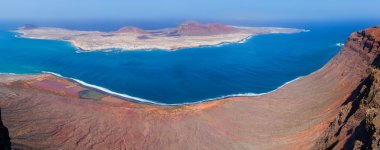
260	65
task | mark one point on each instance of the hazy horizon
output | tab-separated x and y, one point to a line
218	11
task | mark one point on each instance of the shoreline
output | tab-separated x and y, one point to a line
135	99
80	50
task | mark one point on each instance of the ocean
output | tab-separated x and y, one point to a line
260	65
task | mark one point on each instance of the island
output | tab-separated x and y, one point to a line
186	35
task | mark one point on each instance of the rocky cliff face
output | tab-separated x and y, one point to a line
357	126
332	108
5	141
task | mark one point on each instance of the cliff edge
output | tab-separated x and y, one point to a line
357	126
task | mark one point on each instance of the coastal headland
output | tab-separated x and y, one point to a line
319	111
187	35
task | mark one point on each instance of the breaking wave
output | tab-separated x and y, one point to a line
133	98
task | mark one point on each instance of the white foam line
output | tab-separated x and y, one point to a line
7	73
224	43
246	39
153	102
339	44
103	89
249	94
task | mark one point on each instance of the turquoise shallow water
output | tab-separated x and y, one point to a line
260	65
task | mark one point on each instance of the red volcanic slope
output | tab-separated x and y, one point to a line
196	29
131	30
187	29
296	116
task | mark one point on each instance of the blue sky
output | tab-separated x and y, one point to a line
231	10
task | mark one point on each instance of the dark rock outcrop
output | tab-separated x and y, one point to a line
357	125
5	141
